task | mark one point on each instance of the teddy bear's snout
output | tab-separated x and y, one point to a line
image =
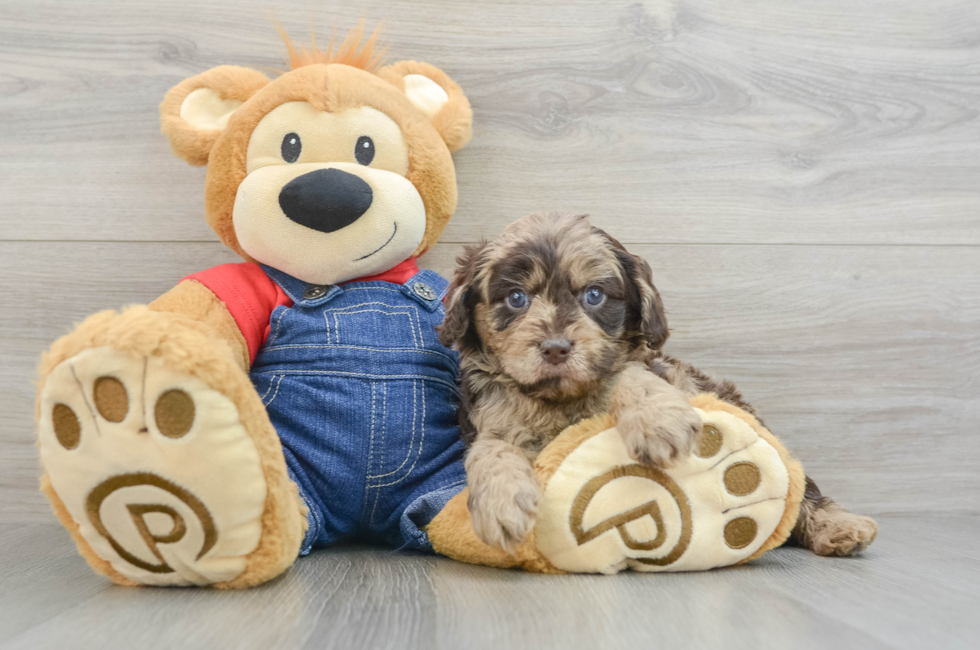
326	199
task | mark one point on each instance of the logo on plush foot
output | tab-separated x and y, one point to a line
139	511
621	521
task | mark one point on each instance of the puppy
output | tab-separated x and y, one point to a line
555	323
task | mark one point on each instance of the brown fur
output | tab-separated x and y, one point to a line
514	403
333	86
193	300
827	528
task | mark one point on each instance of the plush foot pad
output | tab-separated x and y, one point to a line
604	512
155	468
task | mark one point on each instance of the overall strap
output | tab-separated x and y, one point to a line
426	287
303	294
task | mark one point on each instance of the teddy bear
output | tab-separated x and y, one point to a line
301	397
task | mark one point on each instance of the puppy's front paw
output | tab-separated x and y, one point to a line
659	430
503	509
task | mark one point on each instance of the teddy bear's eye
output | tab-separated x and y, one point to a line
291	147
364	150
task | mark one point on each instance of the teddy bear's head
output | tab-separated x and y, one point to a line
332	171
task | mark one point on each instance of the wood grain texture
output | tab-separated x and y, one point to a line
903	593
671	120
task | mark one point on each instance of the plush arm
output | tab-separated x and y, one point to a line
194	301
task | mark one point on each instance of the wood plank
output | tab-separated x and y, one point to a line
671	121
900	594
865	359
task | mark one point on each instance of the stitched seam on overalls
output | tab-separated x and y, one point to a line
331	346
413	325
371	443
347	290
362	375
401	293
278	324
384	420
411	312
326	322
421	442
411	443
273	398
411	321
384	439
268	390
372	302
358	347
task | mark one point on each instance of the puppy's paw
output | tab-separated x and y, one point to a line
841	533
659	429
503	509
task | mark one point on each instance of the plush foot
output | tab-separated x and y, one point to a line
728	501
157	475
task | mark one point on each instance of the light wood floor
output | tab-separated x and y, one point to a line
804	178
917	587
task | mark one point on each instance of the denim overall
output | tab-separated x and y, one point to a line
364	399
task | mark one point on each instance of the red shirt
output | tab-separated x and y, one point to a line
251	296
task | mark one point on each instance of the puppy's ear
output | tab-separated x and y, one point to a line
457	327
645	309
653	319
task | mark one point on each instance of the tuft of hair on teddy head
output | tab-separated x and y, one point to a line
339	168
553	303
349	52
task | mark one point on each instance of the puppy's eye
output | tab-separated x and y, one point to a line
291	147
593	296
517	300
364	150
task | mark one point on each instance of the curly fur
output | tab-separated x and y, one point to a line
515	403
827	528
515	400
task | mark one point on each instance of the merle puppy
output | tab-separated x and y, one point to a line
555	323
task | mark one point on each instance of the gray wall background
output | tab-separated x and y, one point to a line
803	177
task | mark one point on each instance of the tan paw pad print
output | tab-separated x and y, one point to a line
155	468
604	512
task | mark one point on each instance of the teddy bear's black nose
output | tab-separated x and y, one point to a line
325	199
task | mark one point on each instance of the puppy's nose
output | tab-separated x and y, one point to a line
326	199
556	351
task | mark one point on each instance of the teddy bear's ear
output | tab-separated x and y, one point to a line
437	96
196	111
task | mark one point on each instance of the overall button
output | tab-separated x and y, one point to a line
315	291
424	291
